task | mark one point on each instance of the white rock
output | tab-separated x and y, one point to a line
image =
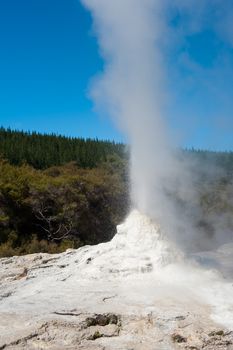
159	297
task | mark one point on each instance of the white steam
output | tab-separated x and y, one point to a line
136	39
129	34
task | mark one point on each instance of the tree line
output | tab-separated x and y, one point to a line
44	151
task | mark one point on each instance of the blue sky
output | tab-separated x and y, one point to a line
48	56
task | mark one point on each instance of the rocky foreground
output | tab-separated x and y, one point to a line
116	295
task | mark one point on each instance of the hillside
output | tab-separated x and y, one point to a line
58	192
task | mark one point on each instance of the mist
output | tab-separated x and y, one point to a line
135	38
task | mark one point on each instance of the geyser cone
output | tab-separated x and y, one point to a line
138	247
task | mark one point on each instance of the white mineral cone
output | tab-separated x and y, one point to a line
138	247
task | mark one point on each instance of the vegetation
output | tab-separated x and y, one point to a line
58	192
44	151
60	207
207	161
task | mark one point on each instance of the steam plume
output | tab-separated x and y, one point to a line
134	36
129	34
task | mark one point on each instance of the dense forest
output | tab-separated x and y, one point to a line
58	192
60	207
44	151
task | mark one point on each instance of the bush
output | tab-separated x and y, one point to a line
55	209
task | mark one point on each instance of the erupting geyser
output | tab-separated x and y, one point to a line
144	289
132	89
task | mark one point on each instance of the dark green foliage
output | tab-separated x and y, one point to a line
44	151
48	206
50	210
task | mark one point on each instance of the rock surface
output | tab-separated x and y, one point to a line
134	292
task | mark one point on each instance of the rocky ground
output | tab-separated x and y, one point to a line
113	296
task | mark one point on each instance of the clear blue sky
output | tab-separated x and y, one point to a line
48	56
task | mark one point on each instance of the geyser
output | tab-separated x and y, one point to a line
132	89
159	298
137	39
